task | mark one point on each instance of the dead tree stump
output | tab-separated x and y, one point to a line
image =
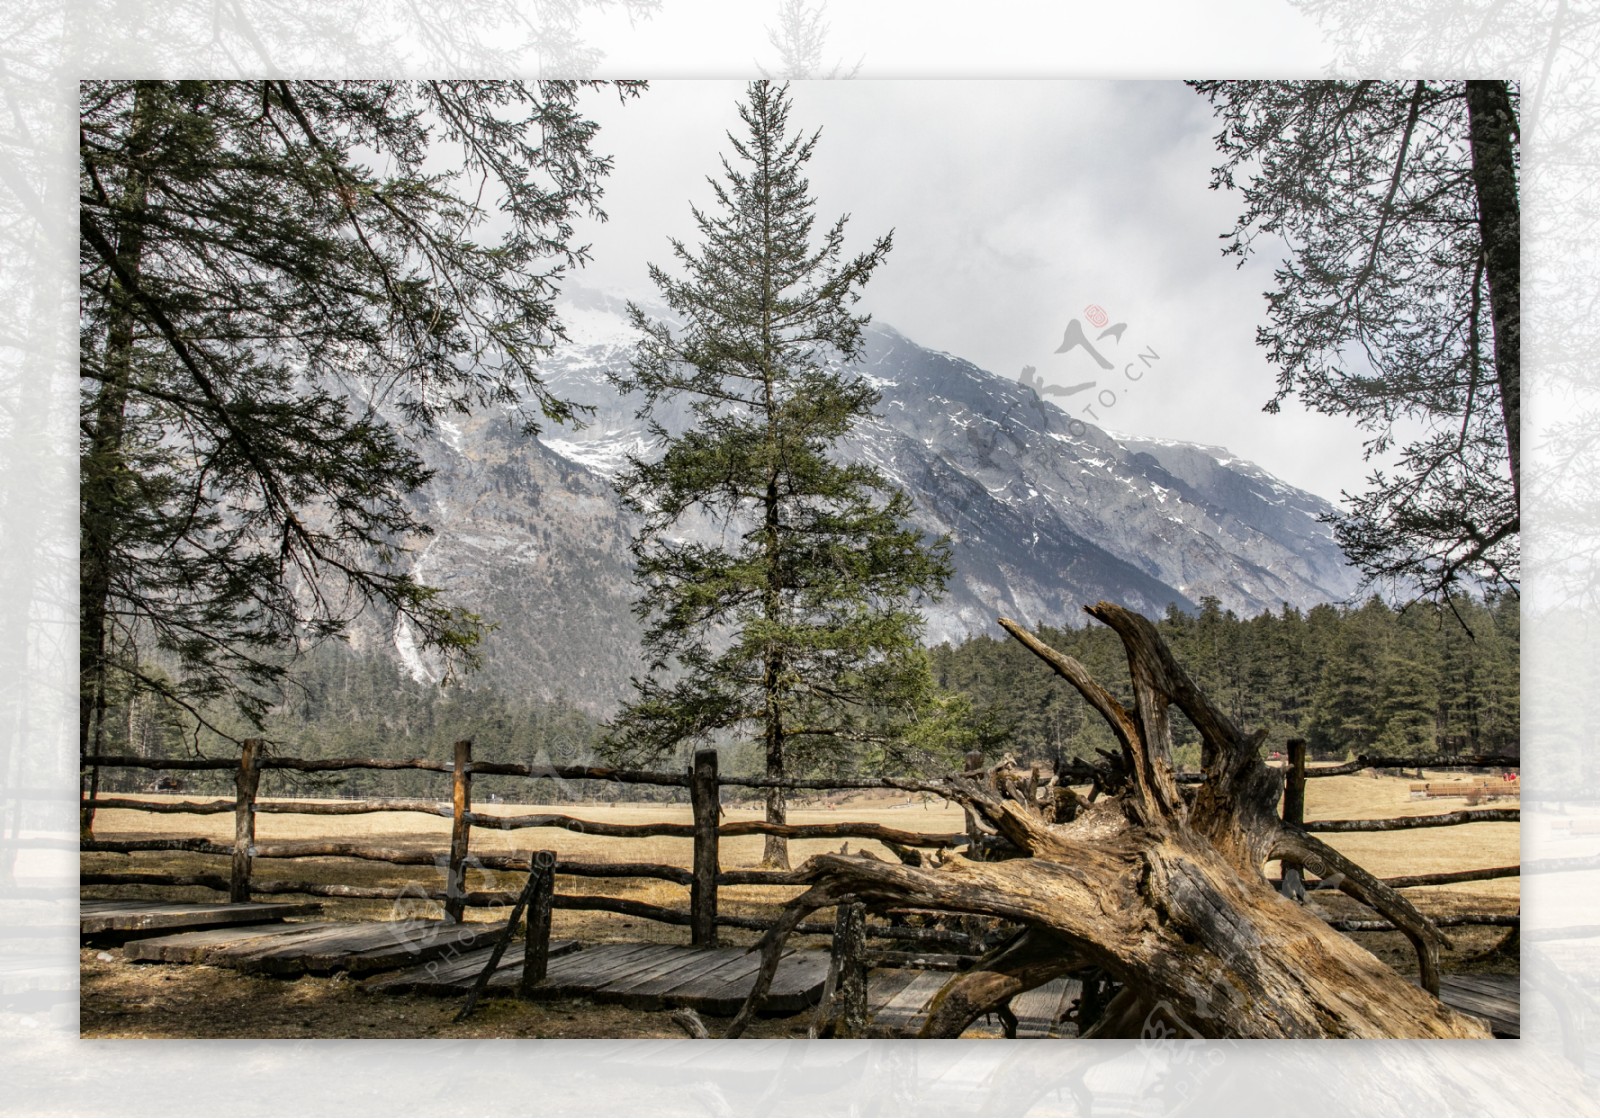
1164	892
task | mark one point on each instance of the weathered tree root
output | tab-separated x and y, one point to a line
1162	888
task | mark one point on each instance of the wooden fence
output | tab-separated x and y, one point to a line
704	785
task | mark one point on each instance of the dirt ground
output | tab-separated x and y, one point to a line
123	999
119	999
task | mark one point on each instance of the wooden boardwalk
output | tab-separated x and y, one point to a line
453	975
1495	997
96	918
638	976
444	958
315	947
897	1004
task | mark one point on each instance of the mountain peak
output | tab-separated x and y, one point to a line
1045	513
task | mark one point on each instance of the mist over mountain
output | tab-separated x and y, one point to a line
1044	513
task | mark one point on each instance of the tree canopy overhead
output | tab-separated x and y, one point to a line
279	280
794	616
1398	299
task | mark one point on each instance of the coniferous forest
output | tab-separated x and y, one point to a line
1430	678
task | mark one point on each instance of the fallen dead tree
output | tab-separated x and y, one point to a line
1160	887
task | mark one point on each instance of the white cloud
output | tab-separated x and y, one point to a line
1014	205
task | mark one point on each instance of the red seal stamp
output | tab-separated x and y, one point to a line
1096	315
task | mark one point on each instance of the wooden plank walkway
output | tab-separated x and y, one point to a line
897	1003
97	918
638	976
454	974
1039	1011
441	958
1495	997
317	947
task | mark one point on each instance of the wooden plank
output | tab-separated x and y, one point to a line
378	946
902	1014
796	985
641	976
1505	985
1500	1003
668	955
319	947
740	965
564	974
280	954
452	975
647	990
508	980
883	985
1069	994
650	954
584	973
724	998
1490	1006
125	915
193	947
1038	1010
916	995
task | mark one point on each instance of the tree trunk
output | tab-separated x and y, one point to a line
1492	125
775	851
102	473
1162	889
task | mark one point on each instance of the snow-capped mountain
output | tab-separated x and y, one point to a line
1043	517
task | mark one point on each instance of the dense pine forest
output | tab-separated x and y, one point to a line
1429	678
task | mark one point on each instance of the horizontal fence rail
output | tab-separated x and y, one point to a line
703	916
317	765
1436	820
1433	761
1451	921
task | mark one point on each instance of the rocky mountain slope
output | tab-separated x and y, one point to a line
1043	516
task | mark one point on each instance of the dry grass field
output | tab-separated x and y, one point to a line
121	999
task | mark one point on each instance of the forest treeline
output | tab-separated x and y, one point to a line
342	703
1434	677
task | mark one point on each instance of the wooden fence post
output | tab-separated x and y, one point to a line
843	1011
245	782
1294	812
705	800
536	943
455	886
541	873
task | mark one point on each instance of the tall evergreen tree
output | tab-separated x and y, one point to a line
277	279
1398	299
797	622
1345	708
1409	715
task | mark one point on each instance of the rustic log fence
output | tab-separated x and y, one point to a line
702	782
704	786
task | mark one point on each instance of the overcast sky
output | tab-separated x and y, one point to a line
1015	205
